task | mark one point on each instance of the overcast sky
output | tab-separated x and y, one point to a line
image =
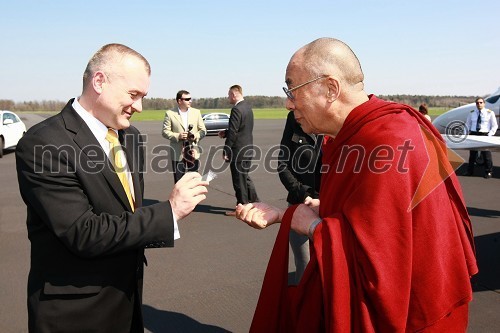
437	47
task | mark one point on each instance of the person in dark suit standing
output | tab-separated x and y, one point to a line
238	148
80	174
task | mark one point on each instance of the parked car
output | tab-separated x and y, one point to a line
12	129
215	122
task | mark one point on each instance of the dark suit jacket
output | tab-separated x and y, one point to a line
299	162
87	247
239	137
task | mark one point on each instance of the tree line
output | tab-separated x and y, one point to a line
257	102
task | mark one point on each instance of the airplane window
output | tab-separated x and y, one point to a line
492	99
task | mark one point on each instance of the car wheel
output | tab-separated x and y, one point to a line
2	145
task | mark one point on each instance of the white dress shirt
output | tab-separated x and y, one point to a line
100	131
488	121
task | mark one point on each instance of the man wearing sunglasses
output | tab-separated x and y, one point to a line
481	121
184	127
391	239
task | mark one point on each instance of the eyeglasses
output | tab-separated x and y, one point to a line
288	92
186	99
479	102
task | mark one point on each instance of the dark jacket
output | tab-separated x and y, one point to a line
239	137
87	247
299	162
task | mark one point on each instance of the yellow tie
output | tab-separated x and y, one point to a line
115	150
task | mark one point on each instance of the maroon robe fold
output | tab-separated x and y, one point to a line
394	251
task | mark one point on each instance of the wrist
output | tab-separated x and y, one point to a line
313	226
281	212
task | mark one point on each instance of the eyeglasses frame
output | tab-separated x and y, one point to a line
288	92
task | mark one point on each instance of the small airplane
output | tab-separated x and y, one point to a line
451	125
452	122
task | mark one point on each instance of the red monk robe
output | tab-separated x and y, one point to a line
376	264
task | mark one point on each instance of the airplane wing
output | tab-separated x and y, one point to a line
472	142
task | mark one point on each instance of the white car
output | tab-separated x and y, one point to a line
12	130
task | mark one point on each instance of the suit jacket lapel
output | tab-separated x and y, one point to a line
192	118
96	158
179	119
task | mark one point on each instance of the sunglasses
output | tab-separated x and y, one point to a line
186	99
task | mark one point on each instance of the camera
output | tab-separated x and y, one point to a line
187	150
190	135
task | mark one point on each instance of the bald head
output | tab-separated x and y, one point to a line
330	56
325	83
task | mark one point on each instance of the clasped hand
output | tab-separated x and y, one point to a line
186	136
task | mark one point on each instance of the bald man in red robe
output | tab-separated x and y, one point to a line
392	245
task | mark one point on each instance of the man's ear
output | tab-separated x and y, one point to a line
98	81
333	85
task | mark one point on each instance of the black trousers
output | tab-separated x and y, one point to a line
242	183
488	160
181	167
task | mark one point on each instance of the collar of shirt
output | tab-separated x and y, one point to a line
100	130
241	100
96	127
180	111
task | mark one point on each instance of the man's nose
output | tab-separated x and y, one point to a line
289	104
137	105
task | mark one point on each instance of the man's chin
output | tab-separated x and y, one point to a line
306	128
123	124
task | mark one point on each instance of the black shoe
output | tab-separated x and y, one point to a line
467	173
488	175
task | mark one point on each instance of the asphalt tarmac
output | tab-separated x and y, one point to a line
210	281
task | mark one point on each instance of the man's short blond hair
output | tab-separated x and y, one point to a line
106	57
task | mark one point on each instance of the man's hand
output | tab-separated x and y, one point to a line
312	203
187	193
183	136
222	134
258	214
302	219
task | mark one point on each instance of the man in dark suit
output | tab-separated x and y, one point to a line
85	219
238	148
